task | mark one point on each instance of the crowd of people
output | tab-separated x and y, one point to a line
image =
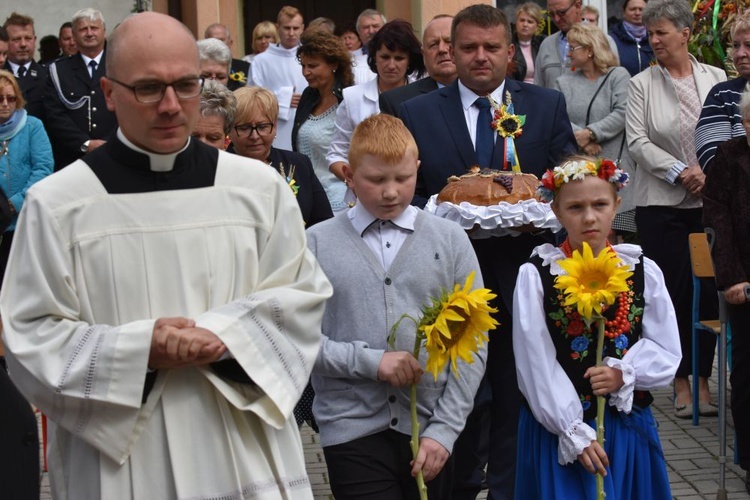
202	253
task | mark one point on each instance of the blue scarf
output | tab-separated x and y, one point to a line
634	30
13	125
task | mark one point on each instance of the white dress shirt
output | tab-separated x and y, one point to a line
383	237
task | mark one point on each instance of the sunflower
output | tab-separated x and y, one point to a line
238	76
591	282
506	123
454	326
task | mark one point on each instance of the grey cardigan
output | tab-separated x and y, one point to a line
350	401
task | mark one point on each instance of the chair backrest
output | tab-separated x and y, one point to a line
700	256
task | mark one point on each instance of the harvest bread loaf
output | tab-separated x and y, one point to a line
489	187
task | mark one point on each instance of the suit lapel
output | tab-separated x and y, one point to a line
453	114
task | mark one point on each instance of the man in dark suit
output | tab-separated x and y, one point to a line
239	70
436	42
31	75
447	126
77	118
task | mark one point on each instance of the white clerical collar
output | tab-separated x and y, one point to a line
362	219
159	162
468	96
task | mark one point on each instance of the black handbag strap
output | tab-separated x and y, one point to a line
588	110
588	113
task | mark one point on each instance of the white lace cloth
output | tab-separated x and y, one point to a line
502	219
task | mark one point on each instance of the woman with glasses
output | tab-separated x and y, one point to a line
218	107
252	136
596	95
393	53
664	103
25	158
327	67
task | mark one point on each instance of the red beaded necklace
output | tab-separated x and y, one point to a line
620	323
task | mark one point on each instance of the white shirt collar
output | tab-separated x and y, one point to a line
14	67
468	96
361	219
159	162
98	59
281	51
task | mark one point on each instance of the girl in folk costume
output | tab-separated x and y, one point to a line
558	454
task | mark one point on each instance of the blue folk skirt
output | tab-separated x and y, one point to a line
636	462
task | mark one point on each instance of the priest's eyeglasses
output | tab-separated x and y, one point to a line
148	93
246	130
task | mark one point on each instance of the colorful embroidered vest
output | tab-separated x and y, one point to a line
575	343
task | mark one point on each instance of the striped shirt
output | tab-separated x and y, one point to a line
720	119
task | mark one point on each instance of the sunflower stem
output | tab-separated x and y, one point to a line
600	402
414	442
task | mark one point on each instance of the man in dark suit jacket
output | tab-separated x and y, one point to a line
31	75
436	42
77	118
239	70
444	125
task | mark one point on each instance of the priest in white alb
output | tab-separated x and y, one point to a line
160	305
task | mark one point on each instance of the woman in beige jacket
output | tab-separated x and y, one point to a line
664	103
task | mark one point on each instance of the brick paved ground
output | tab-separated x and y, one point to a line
691	454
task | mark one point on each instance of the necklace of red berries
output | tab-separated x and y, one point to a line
620	323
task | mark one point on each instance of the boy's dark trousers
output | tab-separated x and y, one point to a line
376	467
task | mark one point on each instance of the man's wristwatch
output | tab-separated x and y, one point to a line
85	146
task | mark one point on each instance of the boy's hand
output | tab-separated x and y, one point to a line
604	379
594	459
399	368
431	458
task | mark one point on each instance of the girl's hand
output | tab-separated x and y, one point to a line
594	459
604	379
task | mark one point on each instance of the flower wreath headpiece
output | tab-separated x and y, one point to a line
576	170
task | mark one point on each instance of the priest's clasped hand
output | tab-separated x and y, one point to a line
178	342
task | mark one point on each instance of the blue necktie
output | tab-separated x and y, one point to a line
92	65
485	139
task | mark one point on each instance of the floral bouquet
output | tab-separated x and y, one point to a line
711	30
592	284
453	326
